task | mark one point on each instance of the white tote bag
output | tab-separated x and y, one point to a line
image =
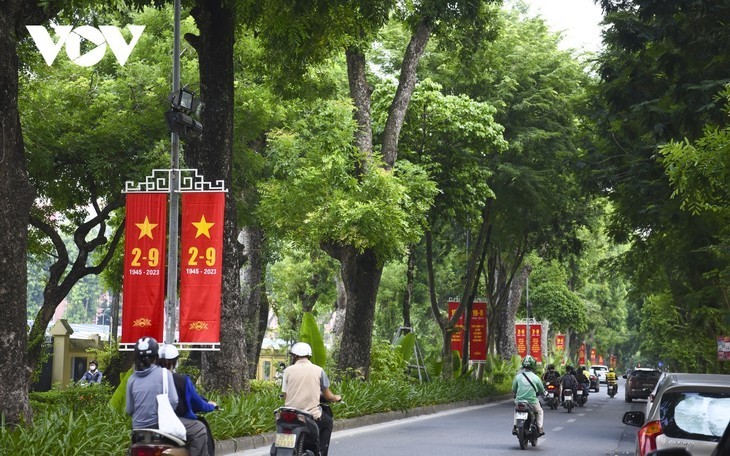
167	421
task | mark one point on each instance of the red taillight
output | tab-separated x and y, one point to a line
521	407
647	436
551	387
289	417
146	450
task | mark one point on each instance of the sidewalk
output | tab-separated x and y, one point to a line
239	444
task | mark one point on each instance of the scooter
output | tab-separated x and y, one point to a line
580	398
525	427
297	434
152	442
551	397
612	389
568	402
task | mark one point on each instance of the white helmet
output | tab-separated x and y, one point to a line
169	351
301	349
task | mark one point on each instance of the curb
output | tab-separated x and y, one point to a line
251	442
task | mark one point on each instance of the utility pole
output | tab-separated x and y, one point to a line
172	246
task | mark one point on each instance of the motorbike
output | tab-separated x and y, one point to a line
568	402
551	396
594	383
297	433
612	389
152	442
525	426
580	398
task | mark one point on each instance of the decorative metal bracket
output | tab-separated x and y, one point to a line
188	180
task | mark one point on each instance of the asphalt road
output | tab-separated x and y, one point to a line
595	429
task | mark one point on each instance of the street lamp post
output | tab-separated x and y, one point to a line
172	245
528	336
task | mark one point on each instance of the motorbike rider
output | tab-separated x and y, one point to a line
611	377
526	386
145	384
551	376
583	380
567	381
189	403
303	384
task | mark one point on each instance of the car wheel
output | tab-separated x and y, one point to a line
628	399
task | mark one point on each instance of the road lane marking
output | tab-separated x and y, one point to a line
559	428
572	420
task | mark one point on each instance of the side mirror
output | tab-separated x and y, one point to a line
670	452
633	418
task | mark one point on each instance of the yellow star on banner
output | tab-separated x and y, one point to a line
145	229
203	227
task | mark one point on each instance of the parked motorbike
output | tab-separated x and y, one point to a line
297	433
612	389
152	442
568	401
525	426
551	396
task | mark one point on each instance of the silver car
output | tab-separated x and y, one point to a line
688	411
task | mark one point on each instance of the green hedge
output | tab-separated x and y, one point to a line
79	421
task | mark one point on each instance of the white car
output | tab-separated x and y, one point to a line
600	371
688	411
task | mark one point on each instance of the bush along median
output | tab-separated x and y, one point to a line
80	421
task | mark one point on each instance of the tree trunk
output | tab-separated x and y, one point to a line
361	271
61	279
408	293
506	345
255	302
212	155
361	274
340	307
16	199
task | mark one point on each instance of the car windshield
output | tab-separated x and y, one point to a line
695	415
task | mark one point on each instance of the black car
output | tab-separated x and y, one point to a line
640	382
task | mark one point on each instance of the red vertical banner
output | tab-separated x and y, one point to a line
582	354
478	332
457	337
144	267
600	359
201	266
560	342
613	361
536	341
593	356
521	339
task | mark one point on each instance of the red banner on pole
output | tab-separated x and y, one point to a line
582	354
600	359
560	342
593	356
478	332
536	341
144	267
201	267
457	337
521	339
